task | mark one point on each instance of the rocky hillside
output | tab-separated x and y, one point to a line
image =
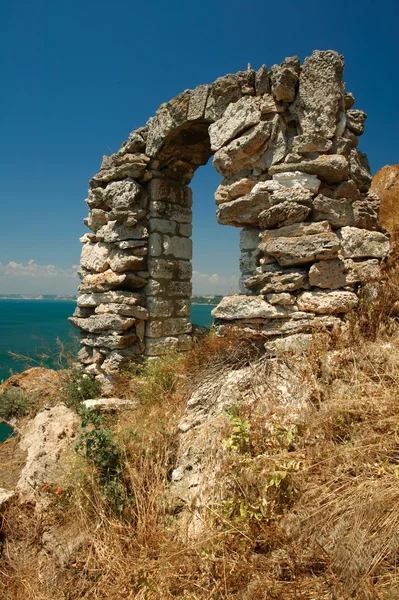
223	474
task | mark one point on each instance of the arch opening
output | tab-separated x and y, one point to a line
285	143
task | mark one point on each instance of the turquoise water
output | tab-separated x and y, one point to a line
5	432
31	327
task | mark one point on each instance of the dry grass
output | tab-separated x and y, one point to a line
328	530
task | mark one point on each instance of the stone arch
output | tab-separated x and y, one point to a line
285	142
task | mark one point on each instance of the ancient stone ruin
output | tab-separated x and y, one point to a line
285	142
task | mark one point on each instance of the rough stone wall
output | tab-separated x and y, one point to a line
285	142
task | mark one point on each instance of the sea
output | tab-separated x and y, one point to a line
33	331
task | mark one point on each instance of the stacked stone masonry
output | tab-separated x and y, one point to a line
285	142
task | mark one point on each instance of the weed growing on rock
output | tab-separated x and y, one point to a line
98	444
15	403
79	387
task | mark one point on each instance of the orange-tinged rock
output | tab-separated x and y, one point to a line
45	383
386	184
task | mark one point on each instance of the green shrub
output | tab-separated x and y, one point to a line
97	443
15	403
79	387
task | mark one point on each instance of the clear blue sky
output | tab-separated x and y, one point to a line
78	76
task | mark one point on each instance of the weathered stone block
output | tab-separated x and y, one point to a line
185	341
231	191
176	326
125	261
249	238
185	229
168	191
302	250
134	166
172	212
179	247
292	179
116	296
311	142
283	298
134	245
238	117
157	347
355	121
89	355
112	340
359	170
300	322
362	271
155	244
281	281
128	310
284	78
338	212
122	196
100	322
184	270
224	91
268	105
155	288
285	213
197	103
162	226
248	263
321	93
328	274
101	282
160	268
114	231
296	344
365	215
348	190
96	219
248	307
262	81
243	211
183	307
333	168
361	243
95	257
114	362
244	152
154	329
159	307
135	280
329	303
295	230
180	289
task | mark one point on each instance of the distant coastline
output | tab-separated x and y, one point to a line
204	300
37	297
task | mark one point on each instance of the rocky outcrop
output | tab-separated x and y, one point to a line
285	143
386	185
47	437
271	389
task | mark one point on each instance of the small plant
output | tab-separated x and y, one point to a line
78	388
98	444
239	441
15	403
